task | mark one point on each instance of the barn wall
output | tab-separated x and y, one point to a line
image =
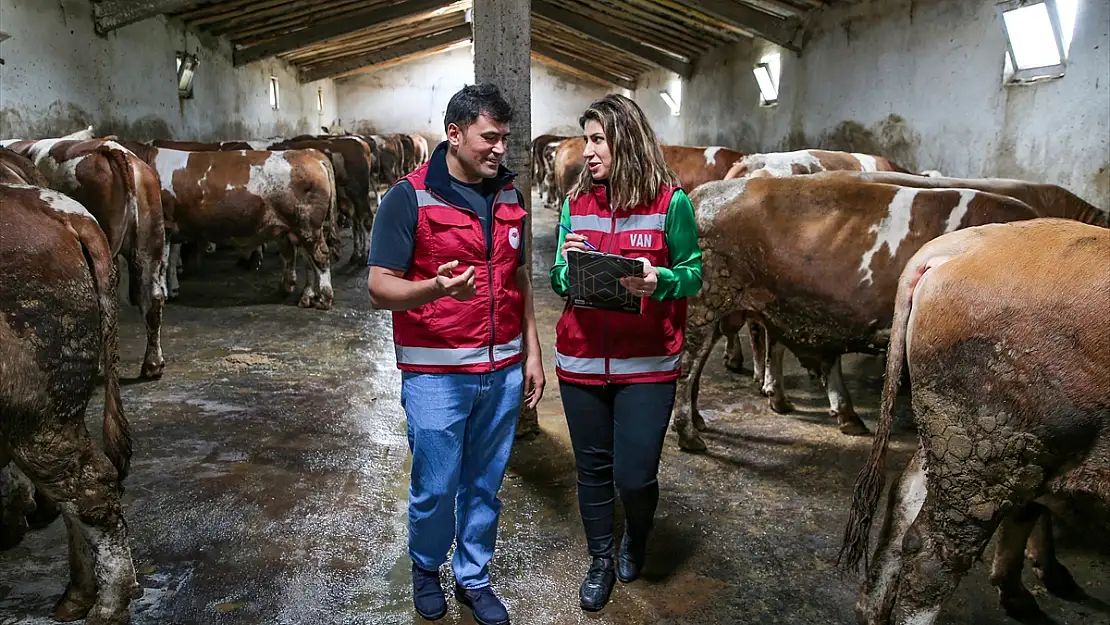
920	82
61	76
412	97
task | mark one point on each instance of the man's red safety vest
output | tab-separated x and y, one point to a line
482	334
597	346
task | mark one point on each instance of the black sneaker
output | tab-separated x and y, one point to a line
427	594
630	559
488	609
595	589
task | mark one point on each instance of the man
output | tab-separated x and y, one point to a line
447	257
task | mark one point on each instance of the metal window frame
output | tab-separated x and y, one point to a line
1033	74
186	71
273	89
765	103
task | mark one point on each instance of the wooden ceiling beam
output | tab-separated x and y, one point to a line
382	41
335	28
282	19
581	65
776	30
599	32
109	15
408	48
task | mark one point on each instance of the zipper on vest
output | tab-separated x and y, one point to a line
608	315
492	288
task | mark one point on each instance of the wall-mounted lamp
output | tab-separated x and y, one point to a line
670	102
768	90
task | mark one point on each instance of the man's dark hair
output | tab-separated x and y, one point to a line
474	100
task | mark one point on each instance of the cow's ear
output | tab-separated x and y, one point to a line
325	129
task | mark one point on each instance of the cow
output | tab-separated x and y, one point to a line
818	261
408	151
353	166
246	198
568	166
809	162
541	147
18	169
1003	330
696	166
389	156
121	191
422	151
197	146
56	330
547	182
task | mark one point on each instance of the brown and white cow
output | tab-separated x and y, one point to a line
543	159
55	331
121	191
568	165
809	162
696	166
421	149
18	169
246	198
199	146
818	261
353	166
1003	329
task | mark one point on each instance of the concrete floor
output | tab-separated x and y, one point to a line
270	474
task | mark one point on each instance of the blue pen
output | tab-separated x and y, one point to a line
569	231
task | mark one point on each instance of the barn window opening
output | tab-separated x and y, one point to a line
274	94
186	69
319	99
1038	38
767	73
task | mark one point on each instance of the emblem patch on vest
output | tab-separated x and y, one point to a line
641	239
514	238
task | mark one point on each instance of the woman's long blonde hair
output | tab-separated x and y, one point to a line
638	169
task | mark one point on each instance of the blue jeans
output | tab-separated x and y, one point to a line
460	429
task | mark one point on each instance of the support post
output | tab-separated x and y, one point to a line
502	55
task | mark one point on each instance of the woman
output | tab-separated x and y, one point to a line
616	370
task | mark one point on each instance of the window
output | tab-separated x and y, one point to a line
320	100
767	73
186	69
673	95
1038	37
274	95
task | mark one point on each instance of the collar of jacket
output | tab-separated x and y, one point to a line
438	179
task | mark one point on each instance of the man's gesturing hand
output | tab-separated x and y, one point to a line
460	287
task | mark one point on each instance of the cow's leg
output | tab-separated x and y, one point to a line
148	264
288	253
75	473
731	327
941	545
1009	559
17	501
772	382
840	402
173	270
1041	551
758	335
881	587
318	291
698	346
253	261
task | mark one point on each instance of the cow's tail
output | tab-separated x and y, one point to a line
125	177
334	240
870	481
117	432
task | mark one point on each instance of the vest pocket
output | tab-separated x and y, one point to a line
450	236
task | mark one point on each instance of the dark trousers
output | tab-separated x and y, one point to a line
617	432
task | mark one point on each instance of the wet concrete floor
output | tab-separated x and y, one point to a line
270	476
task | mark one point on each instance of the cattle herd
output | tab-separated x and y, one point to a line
988	295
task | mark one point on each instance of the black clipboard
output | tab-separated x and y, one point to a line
594	281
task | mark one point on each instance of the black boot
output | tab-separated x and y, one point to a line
630	559
595	589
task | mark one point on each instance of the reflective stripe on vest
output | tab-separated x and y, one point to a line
456	356
425	198
618	366
599	223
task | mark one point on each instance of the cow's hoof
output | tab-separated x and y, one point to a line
173	295
357	259
780	404
305	301
322	303
137	590
73	606
691	442
101	616
152	370
1020	605
735	366
851	425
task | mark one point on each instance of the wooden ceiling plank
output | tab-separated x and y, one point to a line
773	29
449	37
594	30
109	15
581	66
370	46
335	28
